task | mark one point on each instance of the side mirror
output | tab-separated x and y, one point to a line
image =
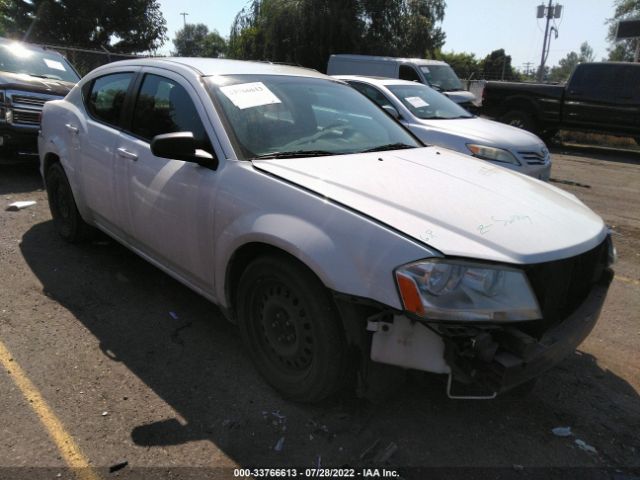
391	110
181	146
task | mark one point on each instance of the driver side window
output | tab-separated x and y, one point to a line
164	106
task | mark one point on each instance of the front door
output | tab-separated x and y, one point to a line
170	202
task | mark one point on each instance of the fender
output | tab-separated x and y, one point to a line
347	251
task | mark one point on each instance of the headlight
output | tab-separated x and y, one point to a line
492	153
455	290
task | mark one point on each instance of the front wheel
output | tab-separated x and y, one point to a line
291	328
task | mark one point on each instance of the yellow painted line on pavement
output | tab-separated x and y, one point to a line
69	450
627	280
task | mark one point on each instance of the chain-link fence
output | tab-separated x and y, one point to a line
85	60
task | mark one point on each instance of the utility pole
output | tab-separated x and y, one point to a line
527	66
550	12
184	18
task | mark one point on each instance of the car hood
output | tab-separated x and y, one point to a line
454	203
28	83
485	131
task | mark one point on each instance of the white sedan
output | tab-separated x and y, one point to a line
324	228
437	120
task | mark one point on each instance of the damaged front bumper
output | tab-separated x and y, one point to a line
485	360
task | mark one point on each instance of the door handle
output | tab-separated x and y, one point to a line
72	128
124	153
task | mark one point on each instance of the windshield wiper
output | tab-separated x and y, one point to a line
390	146
295	154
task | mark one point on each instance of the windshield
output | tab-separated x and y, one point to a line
441	76
276	116
426	103
17	58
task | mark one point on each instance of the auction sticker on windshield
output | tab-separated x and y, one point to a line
248	95
417	102
54	64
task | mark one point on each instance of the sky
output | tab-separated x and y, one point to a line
473	26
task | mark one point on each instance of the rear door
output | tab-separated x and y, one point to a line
170	203
104	99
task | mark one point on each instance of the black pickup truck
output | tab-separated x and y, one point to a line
29	77
599	97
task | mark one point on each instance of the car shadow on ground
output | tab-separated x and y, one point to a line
19	179
179	345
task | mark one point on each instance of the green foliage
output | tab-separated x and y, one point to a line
197	41
306	32
497	66
125	26
466	65
566	65
625	49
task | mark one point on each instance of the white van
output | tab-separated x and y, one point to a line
437	74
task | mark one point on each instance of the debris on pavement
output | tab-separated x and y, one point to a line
280	445
105	413
118	466
518	467
582	445
15	206
174	315
386	454
121	278
562	431
368	452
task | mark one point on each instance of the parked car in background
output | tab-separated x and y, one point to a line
435	73
436	120
599	97
30	76
325	229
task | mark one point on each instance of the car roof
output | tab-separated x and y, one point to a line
222	66
379	81
417	61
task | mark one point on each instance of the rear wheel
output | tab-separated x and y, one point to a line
66	218
291	329
520	119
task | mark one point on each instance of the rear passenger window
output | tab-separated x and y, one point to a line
409	73
106	97
164	106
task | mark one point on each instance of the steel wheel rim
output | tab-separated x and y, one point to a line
282	327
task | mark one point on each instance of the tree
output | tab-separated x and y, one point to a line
497	66
124	26
198	41
466	65
625	49
306	32
566	65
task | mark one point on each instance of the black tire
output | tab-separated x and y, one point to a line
66	218
520	119
637	140
291	329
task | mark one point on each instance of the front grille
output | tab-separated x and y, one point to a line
533	158
561	286
26	117
25	100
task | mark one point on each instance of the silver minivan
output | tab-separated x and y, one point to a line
435	73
